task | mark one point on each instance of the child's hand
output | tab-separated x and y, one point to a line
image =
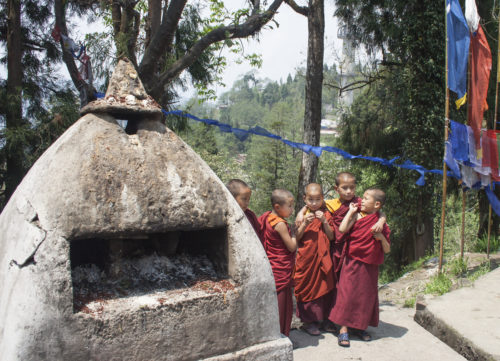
320	215
377	228
309	218
353	207
378	235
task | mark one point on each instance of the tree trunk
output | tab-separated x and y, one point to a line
483	214
14	121
420	238
423	228
314	85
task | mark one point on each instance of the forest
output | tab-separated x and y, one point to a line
398	107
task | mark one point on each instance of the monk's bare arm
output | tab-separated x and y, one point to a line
349	219
308	218
386	247
326	227
289	241
379	226
300	216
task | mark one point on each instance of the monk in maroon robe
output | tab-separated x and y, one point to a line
313	275
254	221
242	193
280	249
357	304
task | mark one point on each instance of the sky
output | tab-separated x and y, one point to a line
283	48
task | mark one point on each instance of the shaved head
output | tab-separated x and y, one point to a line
280	196
236	186
313	188
344	177
377	194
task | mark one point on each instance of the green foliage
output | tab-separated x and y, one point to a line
439	284
401	114
481	244
48	107
263	163
453	222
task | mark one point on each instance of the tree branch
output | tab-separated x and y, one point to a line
116	16
356	84
153	19
302	10
87	91
251	26
161	40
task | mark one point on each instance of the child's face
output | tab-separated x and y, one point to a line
243	198
369	204
313	199
285	210
346	189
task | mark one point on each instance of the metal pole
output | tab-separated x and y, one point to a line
462	232
446	121
494	128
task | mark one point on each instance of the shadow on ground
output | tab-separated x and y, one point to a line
302	339
387	330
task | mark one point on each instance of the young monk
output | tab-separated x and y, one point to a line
242	193
357	292
345	186
280	248
313	274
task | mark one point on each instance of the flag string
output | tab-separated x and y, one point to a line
243	134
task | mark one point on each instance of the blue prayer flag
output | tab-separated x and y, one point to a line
450	161
458	50
459	141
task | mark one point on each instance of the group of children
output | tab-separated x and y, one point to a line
329	258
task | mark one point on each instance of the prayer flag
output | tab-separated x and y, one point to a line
480	75
459	141
458	50
490	152
471	15
450	161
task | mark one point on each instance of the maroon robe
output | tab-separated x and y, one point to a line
282	262
313	274
254	221
357	291
339	247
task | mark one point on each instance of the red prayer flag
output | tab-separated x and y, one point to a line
480	74
490	152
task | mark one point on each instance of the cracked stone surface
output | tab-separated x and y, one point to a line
96	181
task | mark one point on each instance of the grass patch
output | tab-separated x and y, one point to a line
417	264
410	302
481	271
439	284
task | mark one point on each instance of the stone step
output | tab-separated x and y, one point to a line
467	319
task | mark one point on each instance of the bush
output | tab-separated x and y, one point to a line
458	266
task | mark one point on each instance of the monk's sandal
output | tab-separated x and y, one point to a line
343	339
